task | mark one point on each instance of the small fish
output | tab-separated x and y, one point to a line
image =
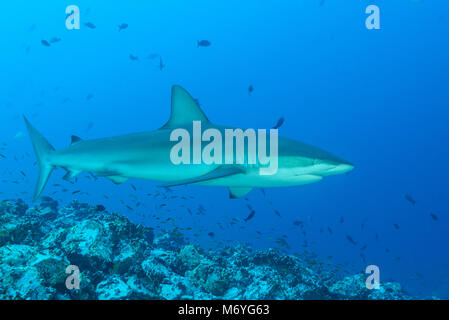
250	216
203	43
211	234
349	238
75	192
90	125
161	64
153	56
133	58
55	39
134	187
396	226
434	217
99	208
89	96
250	89
297	223
410	199
279	123
330	230
277	213
90	25
122	26
22	173
2	156
342	220
45	43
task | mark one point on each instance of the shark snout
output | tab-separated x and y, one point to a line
340	167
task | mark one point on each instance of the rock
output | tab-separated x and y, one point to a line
121	260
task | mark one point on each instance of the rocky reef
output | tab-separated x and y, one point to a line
121	260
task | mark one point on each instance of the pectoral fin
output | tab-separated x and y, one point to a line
220	172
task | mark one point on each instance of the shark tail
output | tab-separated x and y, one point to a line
43	150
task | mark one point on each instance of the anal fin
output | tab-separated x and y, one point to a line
117	179
237	192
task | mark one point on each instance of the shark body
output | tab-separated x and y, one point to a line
146	155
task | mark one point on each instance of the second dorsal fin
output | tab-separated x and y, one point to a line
75	139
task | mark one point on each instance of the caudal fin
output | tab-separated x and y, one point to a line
43	149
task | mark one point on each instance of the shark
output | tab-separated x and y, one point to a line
146	155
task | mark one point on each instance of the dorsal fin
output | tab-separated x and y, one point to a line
184	109
75	139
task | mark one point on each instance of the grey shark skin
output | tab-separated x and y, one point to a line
146	155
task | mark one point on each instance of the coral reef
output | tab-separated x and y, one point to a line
121	260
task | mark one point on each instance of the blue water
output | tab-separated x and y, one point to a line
378	98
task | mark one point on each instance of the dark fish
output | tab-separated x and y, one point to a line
363	258
279	123
330	230
99	208
2	156
75	192
362	225
277	213
203	43
342	220
410	199
90	25
122	26
434	217
250	89
161	64
364	247
396	226
349	238
211	234
297	223
89	96
45	43
133	58
153	56
250	216
23	173
55	39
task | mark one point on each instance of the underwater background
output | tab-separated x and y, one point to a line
378	98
